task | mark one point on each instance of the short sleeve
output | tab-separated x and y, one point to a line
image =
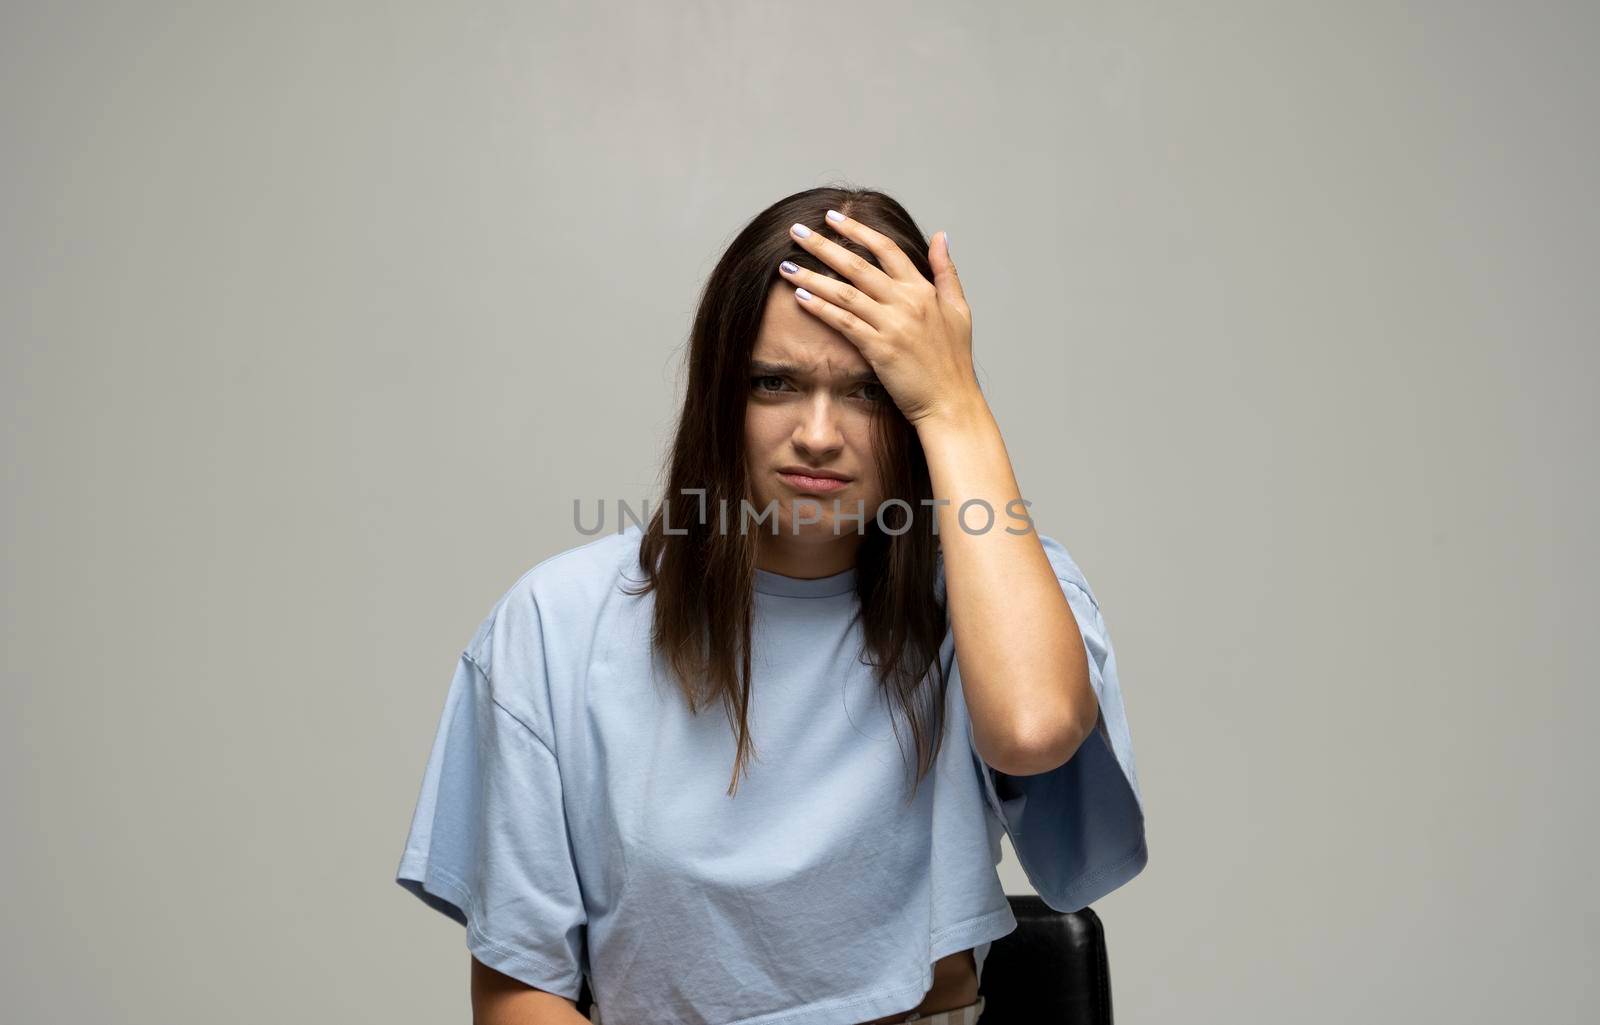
488	844
1078	830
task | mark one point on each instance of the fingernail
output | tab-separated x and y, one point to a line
802	293
835	216
800	229
788	268
947	243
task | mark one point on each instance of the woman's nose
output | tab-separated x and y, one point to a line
818	430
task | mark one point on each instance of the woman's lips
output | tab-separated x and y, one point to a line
800	482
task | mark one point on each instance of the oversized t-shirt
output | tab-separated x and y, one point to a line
574	815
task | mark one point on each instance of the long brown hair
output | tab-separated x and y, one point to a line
704	576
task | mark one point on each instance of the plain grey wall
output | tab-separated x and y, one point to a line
317	317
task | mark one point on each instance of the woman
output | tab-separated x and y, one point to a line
902	676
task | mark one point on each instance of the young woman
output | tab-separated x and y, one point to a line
843	566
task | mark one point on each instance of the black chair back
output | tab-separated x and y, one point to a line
1052	969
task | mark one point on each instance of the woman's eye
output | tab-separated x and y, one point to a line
773	384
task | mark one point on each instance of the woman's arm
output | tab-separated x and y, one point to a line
498	999
1024	672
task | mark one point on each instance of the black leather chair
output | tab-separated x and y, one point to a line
1052	968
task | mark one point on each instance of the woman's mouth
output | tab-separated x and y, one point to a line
820	485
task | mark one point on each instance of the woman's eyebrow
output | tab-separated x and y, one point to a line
795	370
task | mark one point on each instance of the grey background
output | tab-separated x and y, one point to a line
317	317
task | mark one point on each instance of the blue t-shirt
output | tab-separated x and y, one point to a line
574	815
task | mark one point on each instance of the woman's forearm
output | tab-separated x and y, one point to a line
1024	672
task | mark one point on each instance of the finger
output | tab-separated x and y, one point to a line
891	257
840	293
857	331
945	278
853	266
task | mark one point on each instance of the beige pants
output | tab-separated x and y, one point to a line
966	1015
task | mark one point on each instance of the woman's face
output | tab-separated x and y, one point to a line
812	398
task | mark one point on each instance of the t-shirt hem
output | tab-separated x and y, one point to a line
950	939
1087	889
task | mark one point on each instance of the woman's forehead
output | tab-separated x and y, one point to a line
829	357
788	334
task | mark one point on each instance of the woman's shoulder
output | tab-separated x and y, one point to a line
562	591
596	566
1066	568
